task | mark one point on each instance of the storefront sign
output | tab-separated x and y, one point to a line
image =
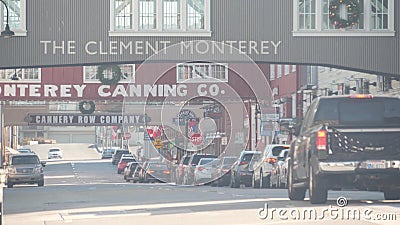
83	120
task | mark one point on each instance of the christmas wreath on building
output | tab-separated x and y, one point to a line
115	71
352	12
87	107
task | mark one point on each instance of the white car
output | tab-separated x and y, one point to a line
54	153
205	168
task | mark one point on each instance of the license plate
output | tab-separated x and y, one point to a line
374	164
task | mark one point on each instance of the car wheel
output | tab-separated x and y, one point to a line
391	194
10	185
317	188
294	193
234	182
254	182
41	183
264	181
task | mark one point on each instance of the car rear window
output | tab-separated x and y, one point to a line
229	161
18	160
205	161
196	158
349	111
128	160
248	157
54	150
157	166
278	149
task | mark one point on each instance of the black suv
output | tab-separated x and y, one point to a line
118	154
188	177
346	142
242	170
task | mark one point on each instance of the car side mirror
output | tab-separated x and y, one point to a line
43	164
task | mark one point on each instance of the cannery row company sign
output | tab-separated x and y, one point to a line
84	120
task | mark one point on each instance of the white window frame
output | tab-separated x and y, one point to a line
367	31
286	69
22	79
293	68
159	31
21	30
122	81
271	72
205	79
279	71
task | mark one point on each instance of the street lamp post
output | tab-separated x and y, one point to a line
7	33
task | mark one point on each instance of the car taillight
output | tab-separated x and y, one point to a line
270	160
225	170
166	172
243	163
361	96
150	171
321	140
200	168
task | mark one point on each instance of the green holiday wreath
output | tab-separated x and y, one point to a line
115	70
87	107
352	9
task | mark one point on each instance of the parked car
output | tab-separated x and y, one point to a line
107	153
54	153
204	170
118	154
136	175
278	175
125	159
24	150
129	170
222	174
242	169
157	172
24	169
188	177
264	166
180	169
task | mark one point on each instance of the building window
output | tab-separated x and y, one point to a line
272	72
279	71
160	18
202	72
16	16
287	69
312	18
147	15
127	74
293	68
171	15
21	75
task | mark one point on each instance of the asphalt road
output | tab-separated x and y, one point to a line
82	189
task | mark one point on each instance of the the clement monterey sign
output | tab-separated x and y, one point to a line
83	120
266	31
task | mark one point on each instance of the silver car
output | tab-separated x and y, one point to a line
24	169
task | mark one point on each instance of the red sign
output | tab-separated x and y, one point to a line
196	139
127	136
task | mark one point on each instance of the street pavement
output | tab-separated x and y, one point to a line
83	189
